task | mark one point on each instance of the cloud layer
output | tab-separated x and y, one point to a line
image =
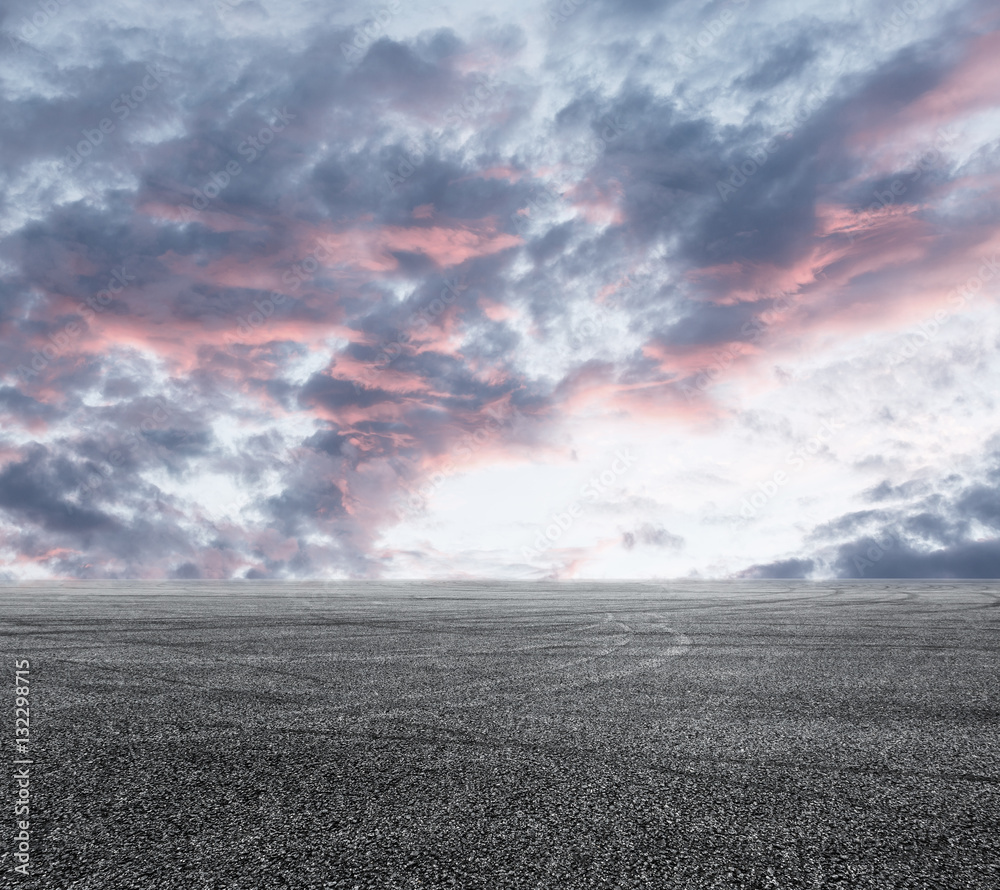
293	292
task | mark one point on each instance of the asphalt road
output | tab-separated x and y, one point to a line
764	735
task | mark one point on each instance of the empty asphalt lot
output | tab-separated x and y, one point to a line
759	735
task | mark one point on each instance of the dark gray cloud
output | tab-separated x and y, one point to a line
784	61
783	569
943	531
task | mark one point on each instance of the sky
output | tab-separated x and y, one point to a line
592	289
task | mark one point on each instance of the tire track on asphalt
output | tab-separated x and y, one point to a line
656	657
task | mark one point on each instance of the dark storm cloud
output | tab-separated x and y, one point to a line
848	523
35	489
50	496
927	534
968	559
772	213
784	569
932	527
981	502
296	508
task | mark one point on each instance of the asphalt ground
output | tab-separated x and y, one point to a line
689	735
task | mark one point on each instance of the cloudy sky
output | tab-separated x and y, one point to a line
591	289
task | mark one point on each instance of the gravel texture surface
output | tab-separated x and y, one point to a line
697	735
